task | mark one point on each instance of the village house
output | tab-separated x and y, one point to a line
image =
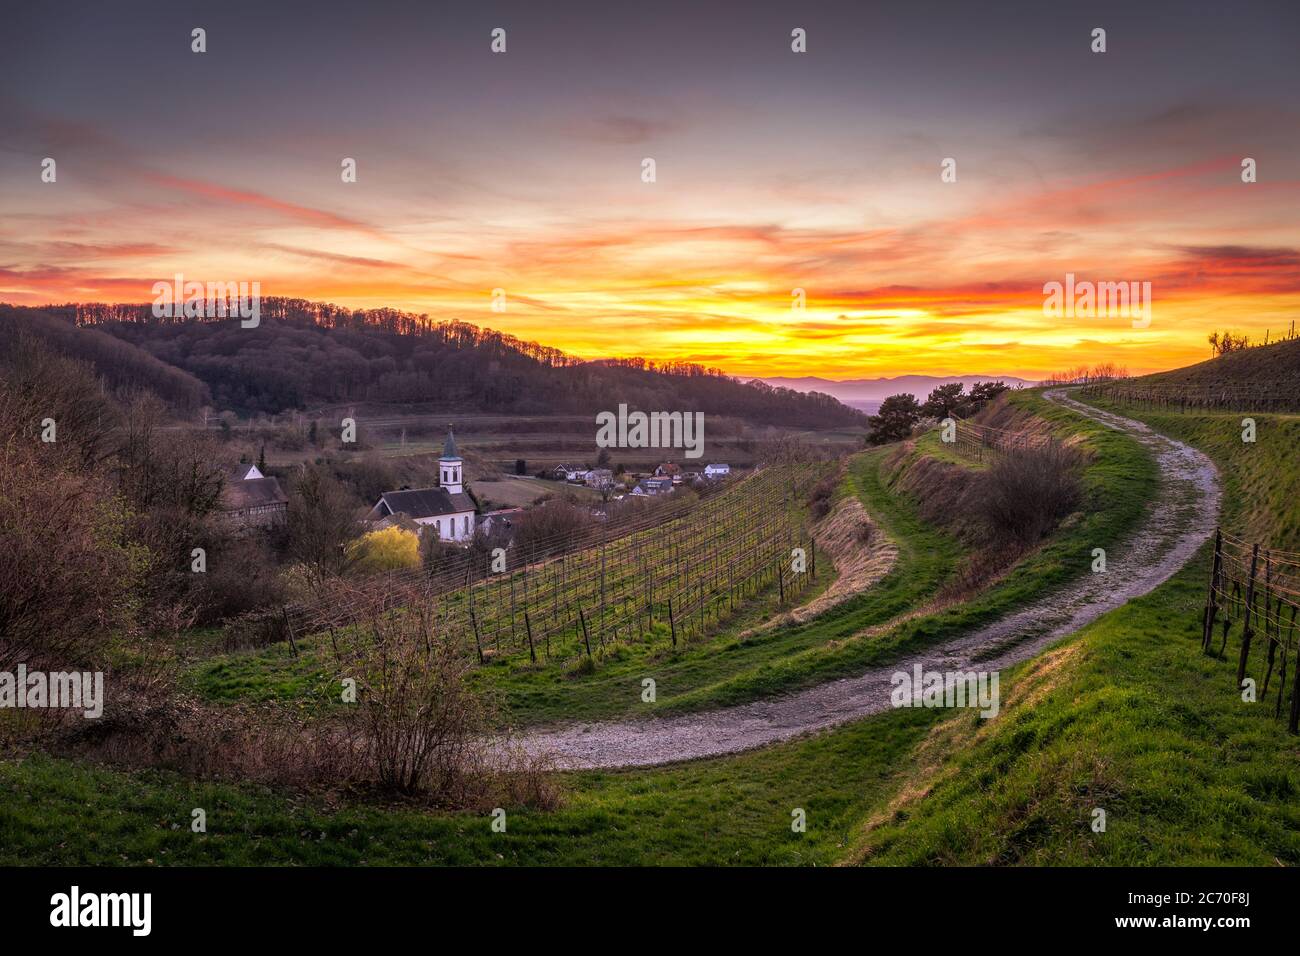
446	510
715	472
600	478
251	500
501	520
569	473
656	486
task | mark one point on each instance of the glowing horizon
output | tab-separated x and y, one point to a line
519	176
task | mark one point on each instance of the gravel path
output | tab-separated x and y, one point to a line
1179	520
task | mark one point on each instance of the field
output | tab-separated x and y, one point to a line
1127	716
522	492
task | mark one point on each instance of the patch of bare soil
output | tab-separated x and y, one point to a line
1178	521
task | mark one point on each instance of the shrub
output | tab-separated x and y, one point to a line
1026	492
866	531
547	529
819	499
426	731
389	549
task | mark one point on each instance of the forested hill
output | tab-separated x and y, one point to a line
304	354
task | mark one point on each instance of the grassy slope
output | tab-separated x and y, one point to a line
728	810
1269	363
684	679
1117	482
1133	719
727	670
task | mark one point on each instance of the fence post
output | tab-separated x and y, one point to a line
532	654
1250	606
1269	637
585	638
672	623
1293	724
1212	598
288	629
477	644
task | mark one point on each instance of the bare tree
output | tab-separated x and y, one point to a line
322	520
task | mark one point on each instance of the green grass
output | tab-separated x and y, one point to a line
1118	482
726	811
698	675
728	669
1136	721
1139	723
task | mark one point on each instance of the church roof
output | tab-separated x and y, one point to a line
449	446
426	502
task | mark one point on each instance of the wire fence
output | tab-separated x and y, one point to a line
1254	593
666	577
1275	396
983	442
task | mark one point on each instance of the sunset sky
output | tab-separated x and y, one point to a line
775	171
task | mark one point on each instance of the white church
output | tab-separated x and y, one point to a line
447	509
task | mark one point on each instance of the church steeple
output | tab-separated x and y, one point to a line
449	465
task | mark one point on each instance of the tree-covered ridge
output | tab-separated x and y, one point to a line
304	354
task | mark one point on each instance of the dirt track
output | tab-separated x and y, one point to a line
1179	520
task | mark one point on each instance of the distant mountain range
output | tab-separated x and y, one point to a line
867	393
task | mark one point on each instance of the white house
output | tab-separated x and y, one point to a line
657	485
717	471
447	509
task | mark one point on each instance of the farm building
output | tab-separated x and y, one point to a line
251	500
447	509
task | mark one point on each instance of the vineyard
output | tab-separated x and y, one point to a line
664	577
1257	591
982	442
1277	396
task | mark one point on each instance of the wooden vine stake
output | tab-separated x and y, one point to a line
1250	606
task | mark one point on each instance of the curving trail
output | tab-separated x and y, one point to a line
1178	522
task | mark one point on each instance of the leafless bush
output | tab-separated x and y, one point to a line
1025	493
417	732
866	531
426	731
544	530
266	744
819	499
66	576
